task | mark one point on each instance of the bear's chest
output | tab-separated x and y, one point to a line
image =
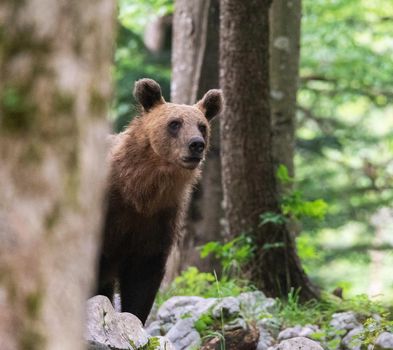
129	232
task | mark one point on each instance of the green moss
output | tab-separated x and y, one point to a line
133	345
73	177
53	217
18	3
17	110
2	37
152	344
32	154
97	102
33	304
63	103
77	46
24	40
31	340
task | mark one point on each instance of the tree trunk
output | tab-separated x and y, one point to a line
285	18
249	182
54	89
195	70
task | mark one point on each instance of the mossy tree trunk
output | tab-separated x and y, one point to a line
248	170
195	70
54	90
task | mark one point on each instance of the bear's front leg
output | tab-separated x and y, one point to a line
106	281
140	278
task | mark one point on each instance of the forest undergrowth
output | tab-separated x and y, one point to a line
233	257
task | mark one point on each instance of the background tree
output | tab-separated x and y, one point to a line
285	16
195	70
249	182
54	90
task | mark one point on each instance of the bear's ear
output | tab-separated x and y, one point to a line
211	104
147	92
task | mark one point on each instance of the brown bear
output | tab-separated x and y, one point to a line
153	166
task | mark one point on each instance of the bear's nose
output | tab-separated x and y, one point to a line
196	145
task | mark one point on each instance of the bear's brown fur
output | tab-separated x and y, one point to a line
154	164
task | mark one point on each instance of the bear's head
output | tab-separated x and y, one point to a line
178	134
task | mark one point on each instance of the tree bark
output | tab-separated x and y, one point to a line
195	70
285	18
285	21
248	170
157	36
54	91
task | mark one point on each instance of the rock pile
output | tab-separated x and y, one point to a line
245	322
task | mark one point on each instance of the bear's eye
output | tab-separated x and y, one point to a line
174	126
202	128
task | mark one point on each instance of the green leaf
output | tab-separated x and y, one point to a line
271	217
282	174
209	248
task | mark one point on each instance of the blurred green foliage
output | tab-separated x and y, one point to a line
345	135
233	255
136	14
372	329
133	61
291	312
293	204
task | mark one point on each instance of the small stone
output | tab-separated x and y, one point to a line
271	324
298	331
154	329
350	342
250	298
308	330
175	307
166	327
164	344
289	333
384	341
254	305
238	323
152	315
298	343
117	302
265	339
227	307
179	307
183	335
92	345
344	321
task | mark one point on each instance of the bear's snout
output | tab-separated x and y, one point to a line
196	146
